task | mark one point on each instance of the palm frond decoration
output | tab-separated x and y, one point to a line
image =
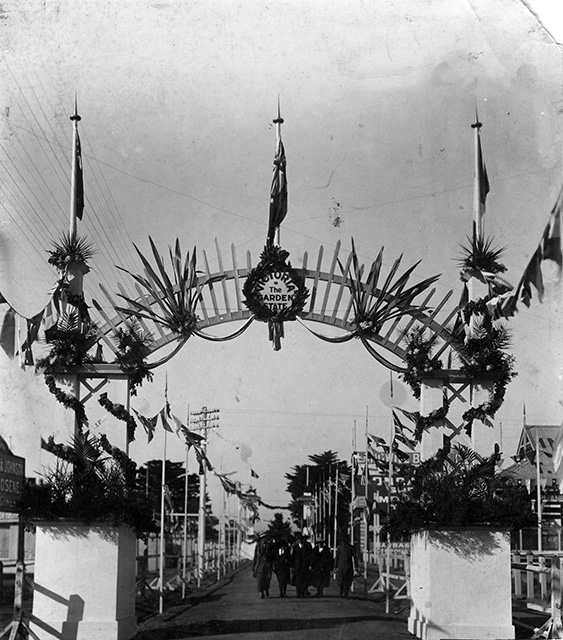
479	254
375	303
70	248
459	487
173	296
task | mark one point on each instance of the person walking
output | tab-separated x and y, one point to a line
346	565
282	566
262	565
301	561
322	564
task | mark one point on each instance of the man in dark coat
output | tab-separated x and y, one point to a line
301	560
282	566
322	564
346	566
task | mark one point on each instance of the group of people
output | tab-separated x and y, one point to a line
297	562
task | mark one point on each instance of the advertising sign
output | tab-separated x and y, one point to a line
12	475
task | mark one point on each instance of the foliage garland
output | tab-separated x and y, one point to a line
424	422
120	412
133	347
67	400
483	356
274	258
418	358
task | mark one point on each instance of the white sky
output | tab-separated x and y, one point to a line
177	100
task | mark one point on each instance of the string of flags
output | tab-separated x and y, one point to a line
18	333
505	304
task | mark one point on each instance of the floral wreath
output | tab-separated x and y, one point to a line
274	258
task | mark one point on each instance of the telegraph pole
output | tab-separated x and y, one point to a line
203	421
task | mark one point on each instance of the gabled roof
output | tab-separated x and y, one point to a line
546	436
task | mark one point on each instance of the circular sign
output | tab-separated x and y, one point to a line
398	394
275	291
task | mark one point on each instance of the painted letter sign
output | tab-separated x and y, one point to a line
12	475
274	291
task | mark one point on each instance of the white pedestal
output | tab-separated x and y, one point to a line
84	582
461	584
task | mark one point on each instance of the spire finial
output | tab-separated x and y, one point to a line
476	124
75	117
279	119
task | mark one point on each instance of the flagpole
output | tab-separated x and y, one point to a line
335	513
538	492
478	225
161	567
366	493
76	119
390	483
278	122
186	488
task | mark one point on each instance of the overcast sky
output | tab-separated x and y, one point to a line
177	100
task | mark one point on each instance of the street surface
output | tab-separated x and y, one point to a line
233	610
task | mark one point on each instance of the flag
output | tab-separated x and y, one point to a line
164	419
228	485
192	439
548	249
551	239
401	455
484	186
278	190
33	326
376	441
400	436
202	459
148	423
532	276
78	182
253	473
167	403
8	333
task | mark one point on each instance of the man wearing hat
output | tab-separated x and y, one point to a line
321	565
301	560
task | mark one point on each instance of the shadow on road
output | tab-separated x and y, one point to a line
226	627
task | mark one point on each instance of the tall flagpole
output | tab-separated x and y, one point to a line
278	122
538	492
335	513
353	487
74	170
185	537
162	489
478	225
390	483
366	522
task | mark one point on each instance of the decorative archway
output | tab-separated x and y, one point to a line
220	301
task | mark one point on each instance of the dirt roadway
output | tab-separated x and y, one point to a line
234	610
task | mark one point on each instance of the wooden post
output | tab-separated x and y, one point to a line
543	578
18	590
529	578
